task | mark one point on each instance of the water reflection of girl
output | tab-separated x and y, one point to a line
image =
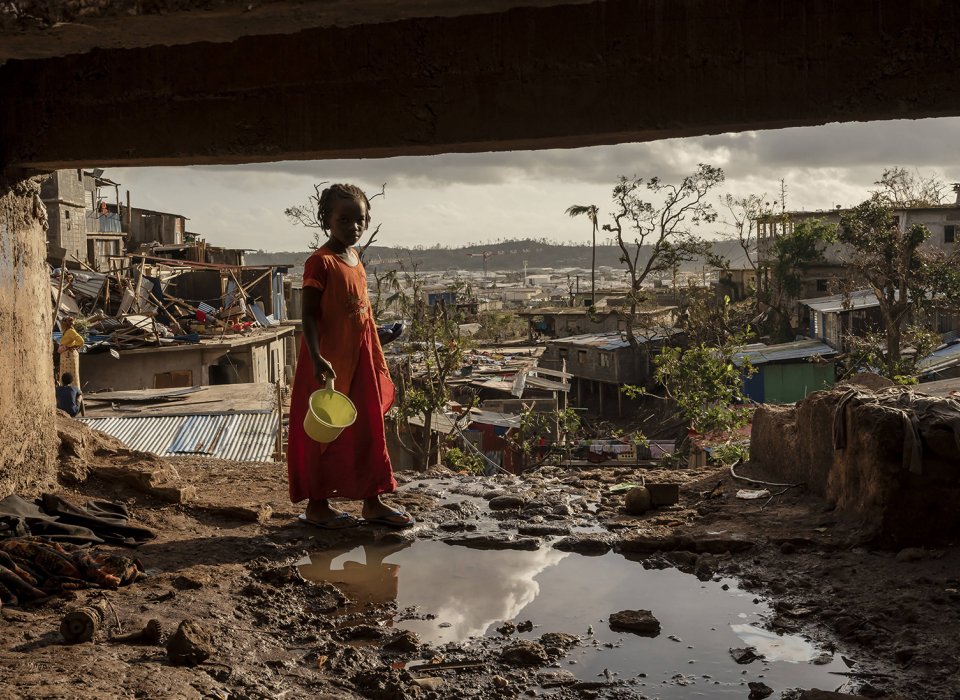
376	581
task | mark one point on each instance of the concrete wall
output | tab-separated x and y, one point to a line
62	193
28	444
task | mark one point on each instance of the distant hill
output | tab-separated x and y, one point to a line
506	256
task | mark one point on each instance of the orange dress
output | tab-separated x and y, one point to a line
355	465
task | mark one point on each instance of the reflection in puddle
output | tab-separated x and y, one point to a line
461	593
775	647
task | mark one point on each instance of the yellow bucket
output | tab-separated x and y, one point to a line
328	413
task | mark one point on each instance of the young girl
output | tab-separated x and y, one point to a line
340	341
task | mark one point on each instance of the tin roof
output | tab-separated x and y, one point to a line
940	359
860	299
242	437
613	340
760	354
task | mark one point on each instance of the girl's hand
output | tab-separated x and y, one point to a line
322	370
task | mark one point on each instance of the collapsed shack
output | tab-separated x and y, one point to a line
890	458
154	301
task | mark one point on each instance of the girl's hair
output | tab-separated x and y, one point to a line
334	192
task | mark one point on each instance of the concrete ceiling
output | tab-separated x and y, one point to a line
32	29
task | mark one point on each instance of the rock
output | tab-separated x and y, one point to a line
555	679
637	501
190	645
543	529
525	626
759	691
507	628
431	684
500	681
404	642
663	494
640	622
584	543
506	502
704	568
186	582
251	514
911	554
494	541
746	655
559	640
525	653
647	544
363	632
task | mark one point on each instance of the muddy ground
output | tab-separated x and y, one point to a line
224	559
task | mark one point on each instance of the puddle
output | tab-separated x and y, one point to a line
459	594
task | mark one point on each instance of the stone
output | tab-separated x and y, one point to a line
494	541
746	655
663	494
637	501
404	642
525	653
559	640
543	529
556	679
584	543
759	691
190	645
911	554
188	582
641	622
506	502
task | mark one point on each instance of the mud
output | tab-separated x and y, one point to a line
886	619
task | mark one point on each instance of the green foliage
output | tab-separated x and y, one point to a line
867	353
463	461
794	252
556	428
705	384
730	453
497	326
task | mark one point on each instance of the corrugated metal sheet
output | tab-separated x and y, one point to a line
243	437
613	340
940	359
860	299
784	352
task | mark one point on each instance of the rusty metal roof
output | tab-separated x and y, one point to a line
242	437
614	340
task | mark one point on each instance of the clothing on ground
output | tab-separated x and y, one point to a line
355	465
55	518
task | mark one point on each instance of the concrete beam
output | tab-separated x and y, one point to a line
541	77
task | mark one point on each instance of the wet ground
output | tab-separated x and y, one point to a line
504	589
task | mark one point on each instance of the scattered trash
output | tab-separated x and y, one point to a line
746	655
753	494
82	624
150	635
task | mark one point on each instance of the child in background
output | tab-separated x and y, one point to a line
69	398
340	341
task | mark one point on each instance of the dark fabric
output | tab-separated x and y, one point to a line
67	399
55	518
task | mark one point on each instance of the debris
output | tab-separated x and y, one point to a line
752	494
82	624
747	655
637	501
190	645
640	622
759	691
664	494
150	635
525	653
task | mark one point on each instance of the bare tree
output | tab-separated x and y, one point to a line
899	188
662	228
308	216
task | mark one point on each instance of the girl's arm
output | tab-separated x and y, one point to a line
311	306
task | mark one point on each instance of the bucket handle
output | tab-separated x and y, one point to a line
329	386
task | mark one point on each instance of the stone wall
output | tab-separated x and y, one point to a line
27	406
867	479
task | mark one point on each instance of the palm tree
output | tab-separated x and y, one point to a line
592	212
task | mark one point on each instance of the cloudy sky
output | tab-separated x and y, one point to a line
468	198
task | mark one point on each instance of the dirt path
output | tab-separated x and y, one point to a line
224	559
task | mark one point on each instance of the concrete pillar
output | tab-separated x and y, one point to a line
27	420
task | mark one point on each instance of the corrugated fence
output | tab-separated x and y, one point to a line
242	437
